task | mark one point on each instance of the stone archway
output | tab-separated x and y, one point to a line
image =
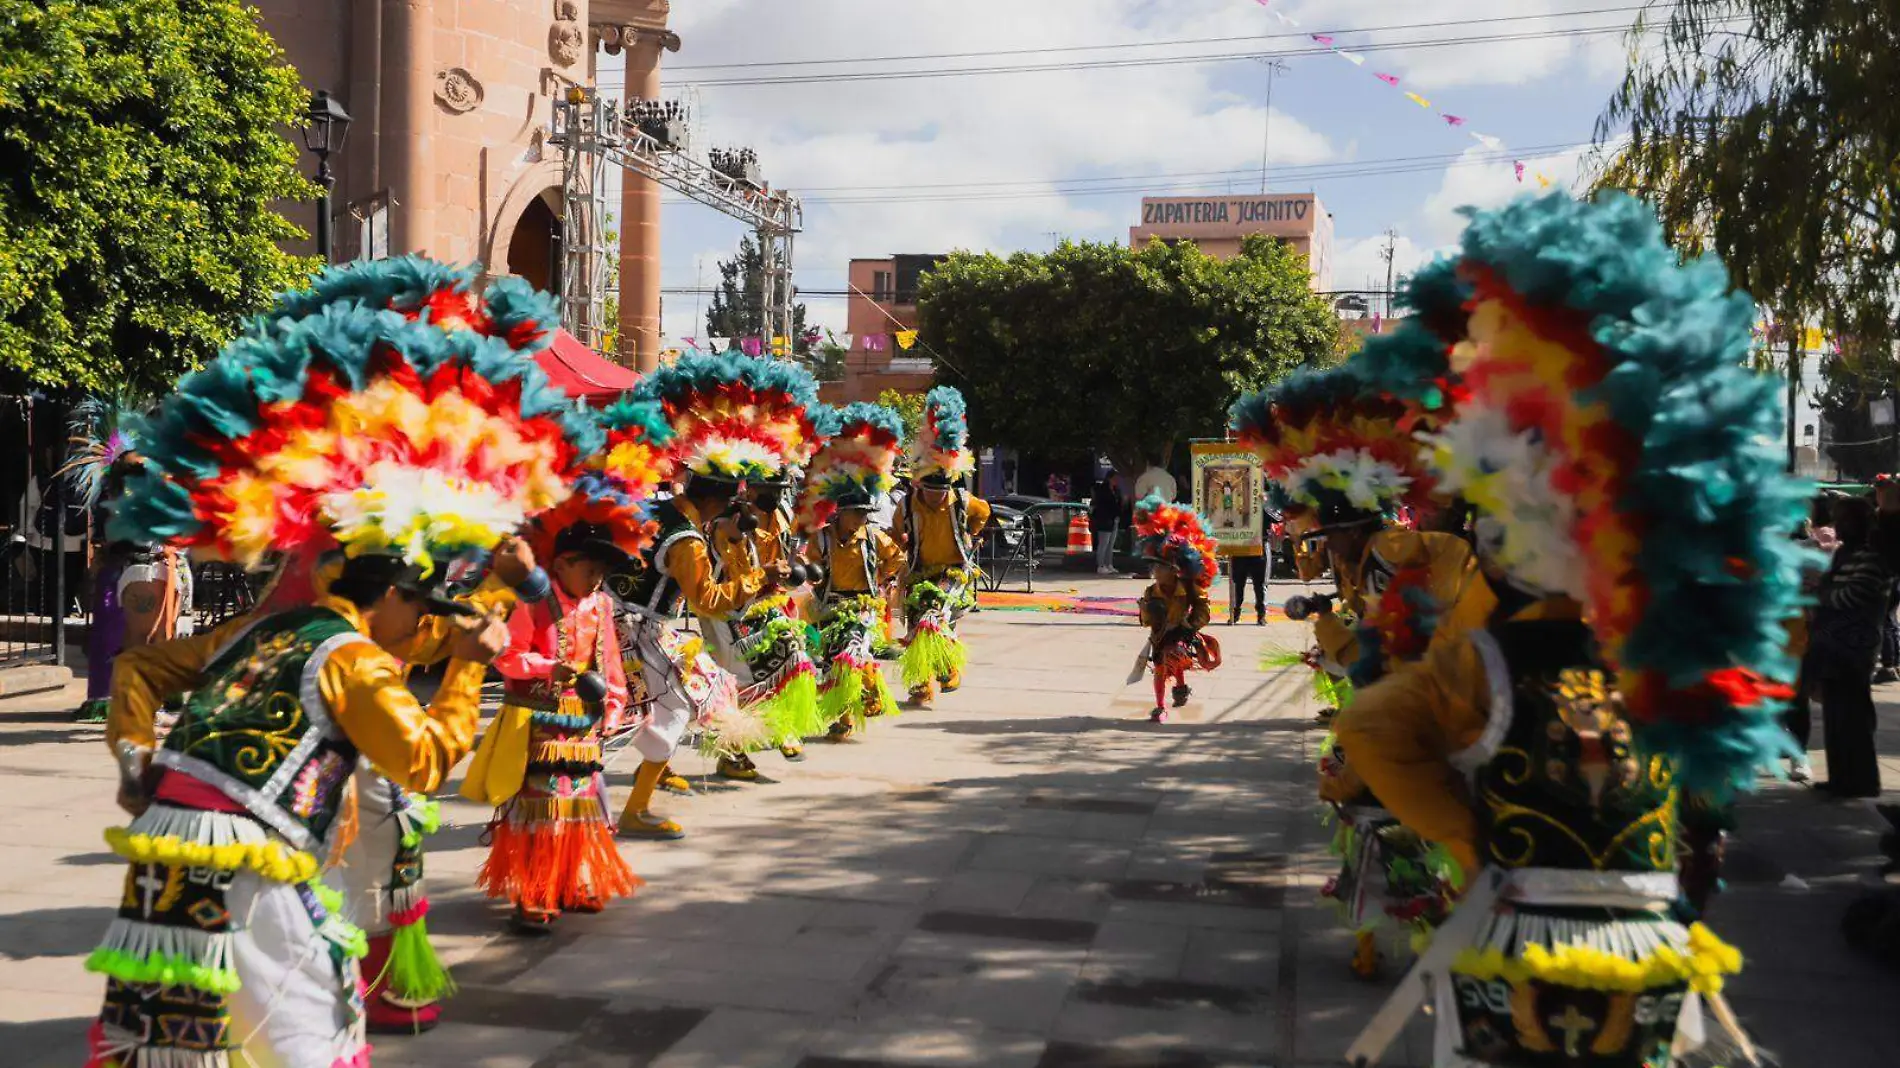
534	246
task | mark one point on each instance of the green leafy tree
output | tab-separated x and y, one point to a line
1765	131
735	311
908	406
1103	348
142	156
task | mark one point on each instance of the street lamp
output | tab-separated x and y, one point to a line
322	135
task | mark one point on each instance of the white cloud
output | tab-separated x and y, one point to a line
1183	128
1492	185
1360	264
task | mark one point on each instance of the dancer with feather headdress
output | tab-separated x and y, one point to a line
388	412
857	561
938	524
1174	540
1634	511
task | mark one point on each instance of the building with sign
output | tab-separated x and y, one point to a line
880	315
1218	224
448	153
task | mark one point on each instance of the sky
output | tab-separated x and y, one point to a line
1012	161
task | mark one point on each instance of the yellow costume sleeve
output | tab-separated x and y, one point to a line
1336	640
145	677
1153	607
890	558
412	745
1198	612
689	566
1400	733
431	643
977	516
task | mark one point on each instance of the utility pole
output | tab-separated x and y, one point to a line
1274	67
1386	254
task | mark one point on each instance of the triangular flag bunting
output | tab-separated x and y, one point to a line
1353	58
1419	100
1389	79
1519	166
1492	143
1322	39
906	338
1454	120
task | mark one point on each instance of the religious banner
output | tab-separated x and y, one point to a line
1230	491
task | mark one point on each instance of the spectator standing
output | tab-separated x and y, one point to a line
1844	642
1105	513
1251	568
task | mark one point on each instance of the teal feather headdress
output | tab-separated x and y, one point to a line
100	435
388	408
1617	442
855	465
736	417
942	448
1336	445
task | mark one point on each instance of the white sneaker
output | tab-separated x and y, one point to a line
1106	571
1800	771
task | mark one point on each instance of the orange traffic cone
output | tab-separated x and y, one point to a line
1081	551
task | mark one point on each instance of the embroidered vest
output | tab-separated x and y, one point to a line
259	731
1566	787
650	588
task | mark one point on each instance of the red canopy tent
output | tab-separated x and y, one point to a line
581	373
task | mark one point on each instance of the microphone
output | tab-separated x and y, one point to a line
1300	608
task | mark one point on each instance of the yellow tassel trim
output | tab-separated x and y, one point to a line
566	752
273	860
1704	966
554	809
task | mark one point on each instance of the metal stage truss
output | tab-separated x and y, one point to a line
592	136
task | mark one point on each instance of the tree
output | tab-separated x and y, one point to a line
1764	130
142	154
1103	348
735	311
908	406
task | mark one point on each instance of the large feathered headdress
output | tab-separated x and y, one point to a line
854	466
614	486
1335	443
1625	456
736	417
941	451
1175	534
388	408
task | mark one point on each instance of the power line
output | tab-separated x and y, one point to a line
1053	49
1071	188
1106	64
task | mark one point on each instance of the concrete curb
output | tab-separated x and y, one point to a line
34	678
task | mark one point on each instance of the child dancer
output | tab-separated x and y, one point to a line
1174	606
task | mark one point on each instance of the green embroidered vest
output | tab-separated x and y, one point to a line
259	731
1566	788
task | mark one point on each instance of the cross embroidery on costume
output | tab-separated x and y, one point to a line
1574	1025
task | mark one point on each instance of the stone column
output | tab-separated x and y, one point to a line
640	222
409	148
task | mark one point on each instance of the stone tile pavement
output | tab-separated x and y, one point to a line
1030	875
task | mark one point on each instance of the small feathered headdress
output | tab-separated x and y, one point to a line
855	464
1335	444
99	438
388	407
1624	456
614	486
941	451
736	417
1175	534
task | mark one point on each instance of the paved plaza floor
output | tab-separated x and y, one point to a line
1029	875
